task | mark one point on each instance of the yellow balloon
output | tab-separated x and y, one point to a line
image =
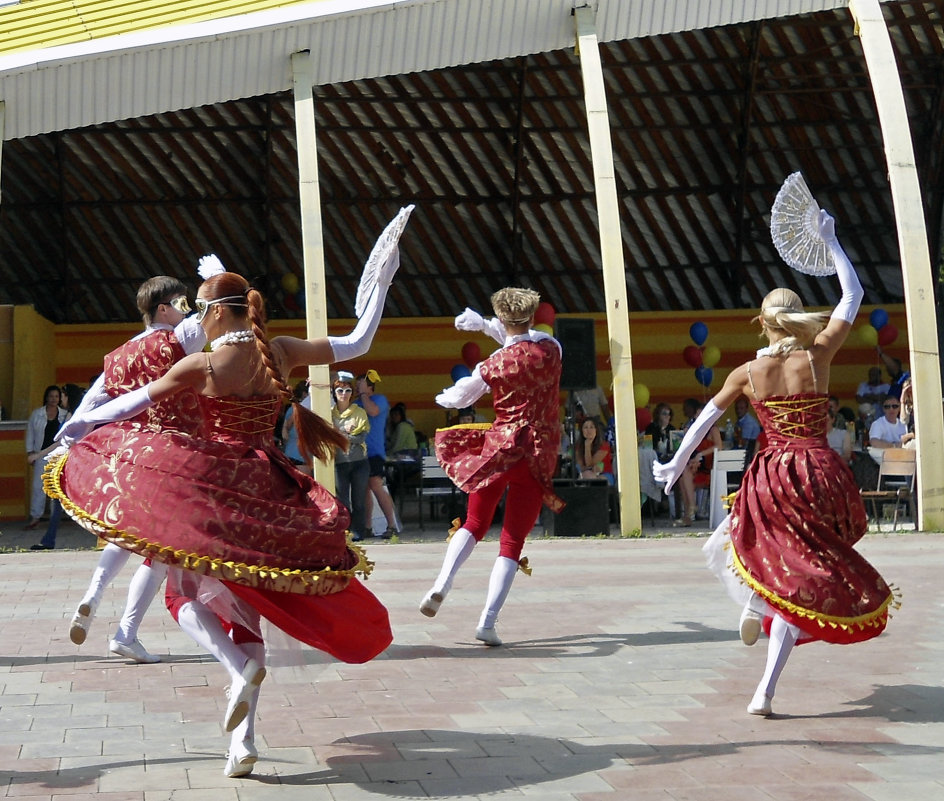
641	395
290	283
544	328
710	356
868	335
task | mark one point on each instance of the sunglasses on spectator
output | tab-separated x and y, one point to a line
890	406
343	391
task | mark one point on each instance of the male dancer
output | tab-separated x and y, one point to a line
167	338
519	451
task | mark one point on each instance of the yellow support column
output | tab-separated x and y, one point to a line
614	276
915	259
316	303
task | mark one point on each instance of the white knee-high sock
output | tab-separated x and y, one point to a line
205	629
247	729
499	584
460	546
109	565
145	583
783	637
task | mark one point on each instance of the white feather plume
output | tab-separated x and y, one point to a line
210	265
383	260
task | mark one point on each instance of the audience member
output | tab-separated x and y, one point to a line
378	408
70	400
290	432
351	469
873	390
698	472
660	429
886	431
594	456
907	414
402	439
897	372
838	436
41	427
592	403
748	429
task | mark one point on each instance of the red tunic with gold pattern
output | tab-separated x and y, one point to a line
228	504
524	378
794	523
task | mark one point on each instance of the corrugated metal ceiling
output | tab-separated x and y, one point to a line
705	126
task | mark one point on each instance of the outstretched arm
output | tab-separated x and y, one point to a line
830	339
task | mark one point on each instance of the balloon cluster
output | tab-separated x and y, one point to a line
700	356
878	331
472	354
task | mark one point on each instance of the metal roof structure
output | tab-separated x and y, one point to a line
134	154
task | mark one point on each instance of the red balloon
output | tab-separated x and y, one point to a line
692	355
887	334
643	418
544	314
471	354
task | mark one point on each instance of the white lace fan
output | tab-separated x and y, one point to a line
383	260
794	228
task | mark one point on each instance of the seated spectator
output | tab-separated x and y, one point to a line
907	414
593	454
838	436
748	429
888	430
872	391
402	439
660	429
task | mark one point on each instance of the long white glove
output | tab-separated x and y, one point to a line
852	292
358	342
190	335
121	408
671	471
471	320
465	392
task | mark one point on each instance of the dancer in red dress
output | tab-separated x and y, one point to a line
252	535
518	451
798	513
168	337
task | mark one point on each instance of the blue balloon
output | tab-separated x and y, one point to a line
460	371
699	333
703	375
878	318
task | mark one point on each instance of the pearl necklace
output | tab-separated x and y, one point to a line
232	338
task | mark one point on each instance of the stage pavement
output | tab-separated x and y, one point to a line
622	677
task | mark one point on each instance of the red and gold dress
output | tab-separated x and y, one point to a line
228	504
794	525
524	378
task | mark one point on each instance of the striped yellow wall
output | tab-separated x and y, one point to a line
415	356
38	24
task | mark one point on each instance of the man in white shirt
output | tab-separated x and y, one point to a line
886	431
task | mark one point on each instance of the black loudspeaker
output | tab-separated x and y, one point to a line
579	355
587	513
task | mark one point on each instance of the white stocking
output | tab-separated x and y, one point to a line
247	729
205	629
499	584
145	583
459	549
783	637
109	565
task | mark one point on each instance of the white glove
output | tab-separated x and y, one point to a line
465	392
671	471
358	342
123	407
852	292
190	335
471	320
